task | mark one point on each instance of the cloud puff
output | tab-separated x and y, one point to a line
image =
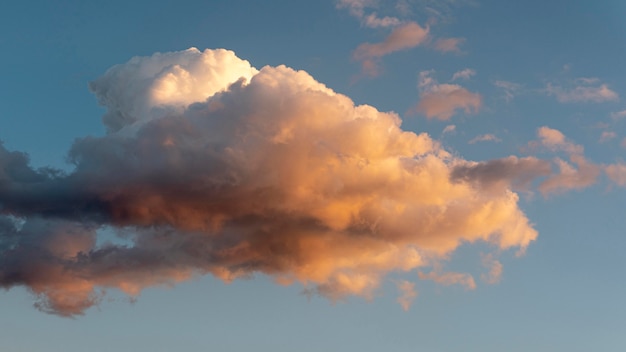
446	45
441	101
617	173
569	177
587	90
607	136
256	171
403	37
489	137
464	74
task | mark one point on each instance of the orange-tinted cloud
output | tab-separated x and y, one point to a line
402	37
448	44
271	173
442	101
407	294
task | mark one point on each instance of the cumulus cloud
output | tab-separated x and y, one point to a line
248	172
489	137
441	101
403	37
446	45
586	90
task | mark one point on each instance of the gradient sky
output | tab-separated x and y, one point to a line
542	81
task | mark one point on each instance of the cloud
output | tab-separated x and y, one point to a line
441	101
618	115
510	89
449	129
494	266
403	37
407	294
555	140
254	172
446	45
617	173
585	91
485	138
501	174
607	136
450	278
569	177
464	74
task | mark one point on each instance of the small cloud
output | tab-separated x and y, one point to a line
618	115
569	177
450	278
494	266
607	136
463	74
510	89
583	92
407	294
449	129
617	173
441	101
555	140
403	37
373	21
485	138
446	45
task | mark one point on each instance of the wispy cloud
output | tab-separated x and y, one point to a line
407	294
569	177
450	278
495	268
585	90
441	101
607	136
403	37
464	74
485	138
449	129
618	115
447	45
510	89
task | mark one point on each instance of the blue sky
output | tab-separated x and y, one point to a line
486	80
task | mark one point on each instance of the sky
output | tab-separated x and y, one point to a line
312	175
